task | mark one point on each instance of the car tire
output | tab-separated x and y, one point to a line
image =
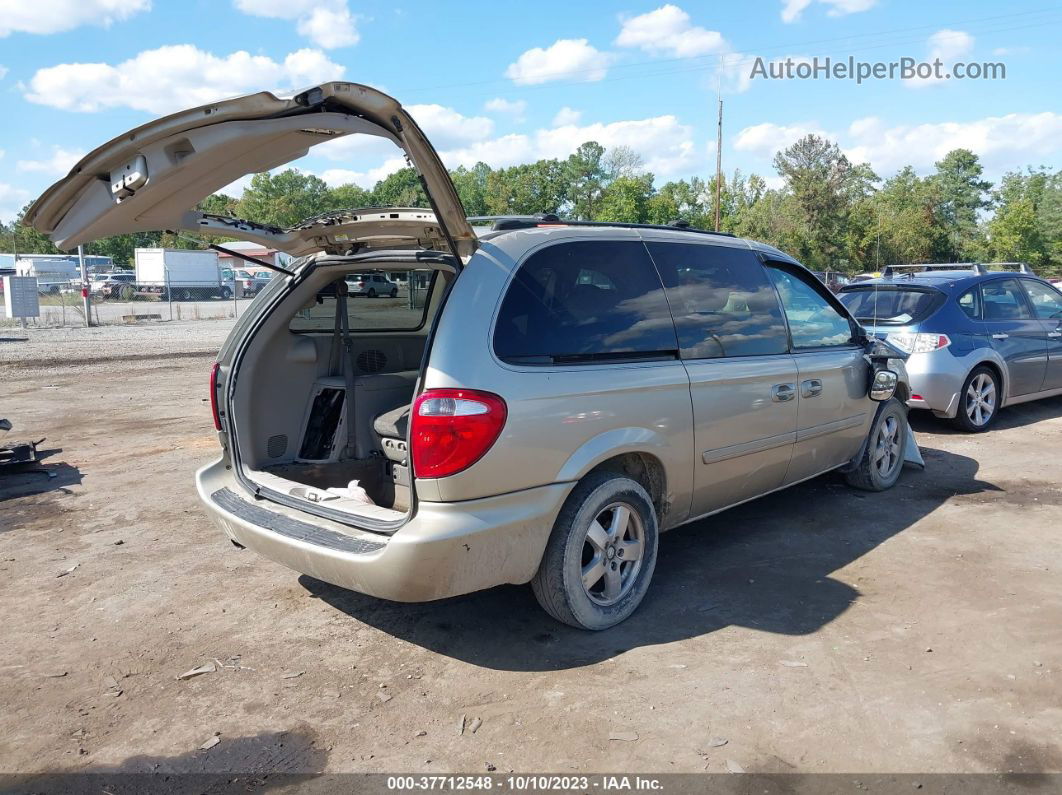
226	293
882	460
372	292
576	552
979	399
394	292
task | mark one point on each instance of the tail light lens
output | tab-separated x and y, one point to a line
452	429
214	396
919	343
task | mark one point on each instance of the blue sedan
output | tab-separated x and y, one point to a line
979	339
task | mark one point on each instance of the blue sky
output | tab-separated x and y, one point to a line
510	83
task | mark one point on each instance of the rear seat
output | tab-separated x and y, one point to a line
391	427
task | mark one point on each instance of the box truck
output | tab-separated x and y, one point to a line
187	274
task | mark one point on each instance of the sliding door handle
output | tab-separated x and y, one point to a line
1000	336
810	388
780	393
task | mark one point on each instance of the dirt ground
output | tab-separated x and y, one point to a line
819	629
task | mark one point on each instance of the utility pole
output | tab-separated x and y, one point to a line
718	164
85	299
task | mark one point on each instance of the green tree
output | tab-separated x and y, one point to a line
963	194
348	197
471	185
283	199
400	189
586	177
626	200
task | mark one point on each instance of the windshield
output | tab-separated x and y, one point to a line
891	306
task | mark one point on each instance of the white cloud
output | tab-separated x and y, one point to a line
1002	142
666	145
565	59
768	138
3	71
947	46
174	77
12	200
567	116
792	9
515	108
57	165
56	16
327	23
668	31
446	127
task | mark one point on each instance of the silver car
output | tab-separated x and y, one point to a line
548	399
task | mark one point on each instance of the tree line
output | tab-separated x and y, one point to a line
828	212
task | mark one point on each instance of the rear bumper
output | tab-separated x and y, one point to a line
937	378
445	549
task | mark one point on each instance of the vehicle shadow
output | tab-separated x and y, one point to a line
254	763
38	477
1011	417
764	565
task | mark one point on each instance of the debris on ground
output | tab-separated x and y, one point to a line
461	724
54	674
206	668
384	697
627	737
734	767
474	725
293	675
211	742
794	664
717	742
65	572
490	767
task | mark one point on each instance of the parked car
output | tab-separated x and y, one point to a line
372	285
113	285
246	281
979	339
835	280
557	395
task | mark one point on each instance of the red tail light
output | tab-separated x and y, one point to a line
453	429
214	396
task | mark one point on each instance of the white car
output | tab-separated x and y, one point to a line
372	285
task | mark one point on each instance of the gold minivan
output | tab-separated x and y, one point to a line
531	401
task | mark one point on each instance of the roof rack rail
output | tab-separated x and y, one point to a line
1020	267
508	222
973	267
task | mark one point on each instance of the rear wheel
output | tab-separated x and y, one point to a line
372	292
394	292
601	554
226	293
882	460
978	401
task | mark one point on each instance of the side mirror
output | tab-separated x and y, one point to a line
883	386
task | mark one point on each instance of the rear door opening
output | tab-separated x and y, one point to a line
319	393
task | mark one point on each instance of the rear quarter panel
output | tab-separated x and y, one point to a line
562	421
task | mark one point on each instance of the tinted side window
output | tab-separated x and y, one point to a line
813	323
1047	301
1004	300
970	303
585	301
722	301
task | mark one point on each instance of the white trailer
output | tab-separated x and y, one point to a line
52	275
188	274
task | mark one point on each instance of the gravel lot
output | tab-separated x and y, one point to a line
818	629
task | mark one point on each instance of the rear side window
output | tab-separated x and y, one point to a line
406	310
585	301
722	300
970	303
813	322
891	306
1004	300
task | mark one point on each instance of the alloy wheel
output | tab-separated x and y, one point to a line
887	447
612	554
981	399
